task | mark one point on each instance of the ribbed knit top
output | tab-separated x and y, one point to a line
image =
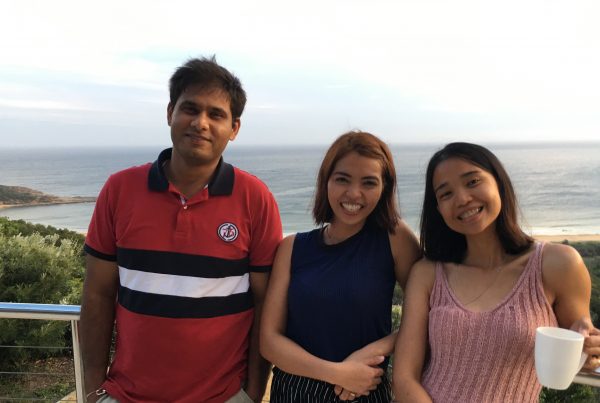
487	356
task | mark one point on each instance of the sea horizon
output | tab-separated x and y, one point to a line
557	184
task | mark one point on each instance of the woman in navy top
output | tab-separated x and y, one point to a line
326	323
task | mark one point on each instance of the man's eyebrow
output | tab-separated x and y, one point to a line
188	103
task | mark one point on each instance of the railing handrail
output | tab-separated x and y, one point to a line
72	312
39	311
15	310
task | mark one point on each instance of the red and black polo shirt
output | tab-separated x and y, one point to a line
184	307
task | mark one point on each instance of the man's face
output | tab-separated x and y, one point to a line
201	125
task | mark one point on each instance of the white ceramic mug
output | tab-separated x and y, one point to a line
558	356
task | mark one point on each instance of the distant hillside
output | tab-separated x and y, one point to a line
22	196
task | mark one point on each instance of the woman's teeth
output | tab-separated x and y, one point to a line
470	213
352	207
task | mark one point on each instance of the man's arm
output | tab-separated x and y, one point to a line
97	319
258	367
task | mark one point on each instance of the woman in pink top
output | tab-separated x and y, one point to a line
472	305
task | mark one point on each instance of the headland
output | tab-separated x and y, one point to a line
19	196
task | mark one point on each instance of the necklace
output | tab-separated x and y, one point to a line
329	238
497	270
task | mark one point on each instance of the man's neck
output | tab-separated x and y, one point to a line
188	179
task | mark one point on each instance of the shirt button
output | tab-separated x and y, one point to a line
185	207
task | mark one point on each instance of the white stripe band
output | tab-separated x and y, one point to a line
183	286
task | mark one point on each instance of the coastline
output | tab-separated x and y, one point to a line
74	200
568	237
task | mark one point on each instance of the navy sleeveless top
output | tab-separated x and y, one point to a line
340	296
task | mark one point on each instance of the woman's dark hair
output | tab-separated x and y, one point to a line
438	241
385	215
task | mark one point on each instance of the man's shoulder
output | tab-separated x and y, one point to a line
131	173
249	181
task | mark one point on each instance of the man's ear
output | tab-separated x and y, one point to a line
169	113
237	123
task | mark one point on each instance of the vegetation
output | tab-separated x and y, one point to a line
43	264
38	264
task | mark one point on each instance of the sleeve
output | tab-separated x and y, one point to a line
100	240
266	232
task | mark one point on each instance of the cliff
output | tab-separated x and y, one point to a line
12	196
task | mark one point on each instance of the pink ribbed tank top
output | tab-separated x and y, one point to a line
487	356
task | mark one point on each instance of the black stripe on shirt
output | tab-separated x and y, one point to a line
260	269
170	306
181	264
91	251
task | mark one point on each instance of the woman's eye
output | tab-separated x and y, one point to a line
444	195
341	179
473	181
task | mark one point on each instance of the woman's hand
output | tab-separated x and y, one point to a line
358	375
591	344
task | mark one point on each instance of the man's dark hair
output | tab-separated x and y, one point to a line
208	73
438	241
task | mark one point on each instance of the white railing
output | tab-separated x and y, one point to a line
52	312
71	313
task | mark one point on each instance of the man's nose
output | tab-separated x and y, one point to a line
201	121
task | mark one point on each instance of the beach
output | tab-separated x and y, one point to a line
569	237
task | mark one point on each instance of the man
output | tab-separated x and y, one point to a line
178	256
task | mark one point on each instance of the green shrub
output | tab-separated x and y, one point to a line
37	269
20	227
575	393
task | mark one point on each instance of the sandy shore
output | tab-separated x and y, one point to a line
569	237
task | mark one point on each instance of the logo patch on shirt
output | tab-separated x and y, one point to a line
228	232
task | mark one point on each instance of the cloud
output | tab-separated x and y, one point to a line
419	68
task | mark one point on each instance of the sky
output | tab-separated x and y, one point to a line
95	73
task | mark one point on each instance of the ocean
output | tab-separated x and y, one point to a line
558	185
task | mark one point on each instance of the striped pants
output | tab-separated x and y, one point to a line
288	388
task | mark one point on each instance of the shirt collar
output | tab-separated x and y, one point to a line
221	183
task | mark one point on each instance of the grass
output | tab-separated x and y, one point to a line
50	379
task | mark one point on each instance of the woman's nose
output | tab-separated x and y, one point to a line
463	196
353	191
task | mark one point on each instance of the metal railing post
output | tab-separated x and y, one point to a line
77	362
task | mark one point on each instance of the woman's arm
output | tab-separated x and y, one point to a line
411	345
568	287
357	376
405	250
